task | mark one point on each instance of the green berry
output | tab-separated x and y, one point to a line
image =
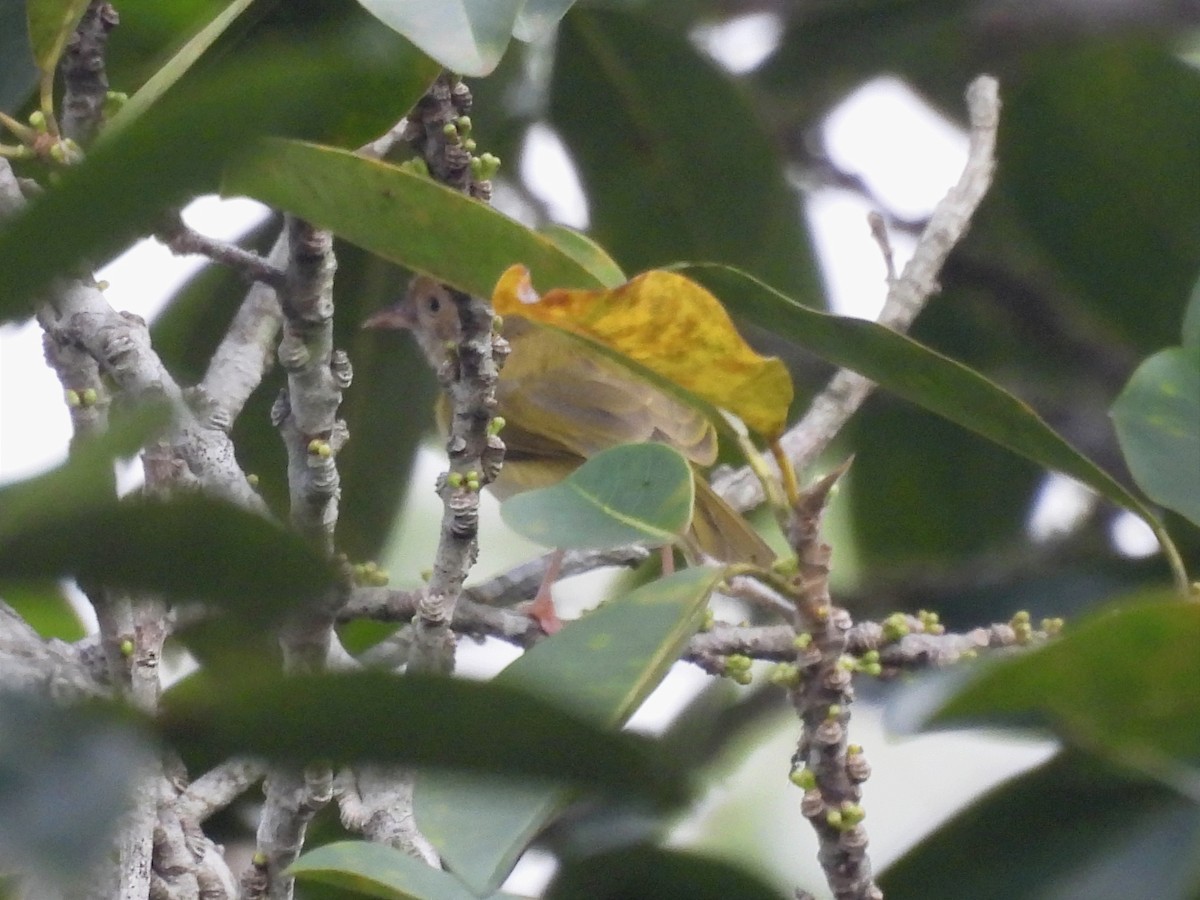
496	425
469	145
834	818
72	398
37	119
802	641
455	479
88	397
473	484
252	480
127	648
803	778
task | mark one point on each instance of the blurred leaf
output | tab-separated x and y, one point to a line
83	484
1068	829
1119	685
379	871
666	180
919	375
1099	151
587	253
388	408
407	218
626	494
539	18
659	873
51	22
603	665
465	36
670	325
179	147
414	720
45	606
1157	418
168	547
165	77
18	69
65	780
955	493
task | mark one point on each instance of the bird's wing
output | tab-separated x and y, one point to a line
585	402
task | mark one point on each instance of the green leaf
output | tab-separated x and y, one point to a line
604	666
538	18
82	484
632	493
180	145
1071	828
656	872
465	36
65	780
175	68
379	871
406	218
45	607
958	494
167	547
18	69
1157	417
919	375
413	720
1119	685
51	22
1098	147
587	253
666	180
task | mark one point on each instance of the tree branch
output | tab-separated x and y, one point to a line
906	297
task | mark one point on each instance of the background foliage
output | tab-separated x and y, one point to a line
1078	268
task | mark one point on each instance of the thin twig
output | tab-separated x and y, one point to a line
182	240
906	297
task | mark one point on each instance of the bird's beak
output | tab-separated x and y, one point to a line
397	316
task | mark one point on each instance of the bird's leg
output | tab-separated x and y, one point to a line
541	608
667	553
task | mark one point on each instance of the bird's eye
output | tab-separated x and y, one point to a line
434	304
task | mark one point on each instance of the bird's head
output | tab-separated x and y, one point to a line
429	312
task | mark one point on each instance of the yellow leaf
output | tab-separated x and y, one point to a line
672	326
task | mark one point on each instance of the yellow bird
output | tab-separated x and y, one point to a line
563	402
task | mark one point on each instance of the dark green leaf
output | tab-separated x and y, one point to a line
956	493
175	68
465	36
1099	151
414	720
667	180
632	493
65	778
603	665
50	24
1069	829
1157	418
169	548
406	218
918	374
180	145
658	873
1120	685
18	70
378	871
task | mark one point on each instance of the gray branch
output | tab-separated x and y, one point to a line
906	297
